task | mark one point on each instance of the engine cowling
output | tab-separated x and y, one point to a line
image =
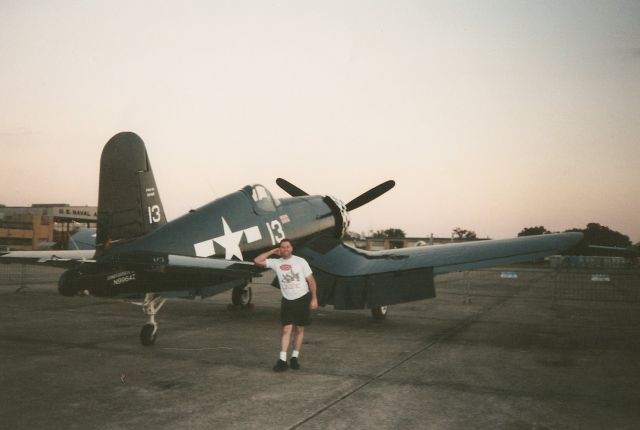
340	213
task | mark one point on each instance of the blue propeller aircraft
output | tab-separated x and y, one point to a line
209	250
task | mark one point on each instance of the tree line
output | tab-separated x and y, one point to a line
595	234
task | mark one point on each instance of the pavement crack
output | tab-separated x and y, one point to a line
462	325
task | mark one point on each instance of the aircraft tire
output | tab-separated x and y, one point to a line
379	312
241	296
147	335
67	283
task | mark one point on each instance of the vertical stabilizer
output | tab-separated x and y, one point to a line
129	204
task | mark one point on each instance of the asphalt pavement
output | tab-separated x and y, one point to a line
536	351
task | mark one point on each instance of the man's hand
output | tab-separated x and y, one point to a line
314	304
261	260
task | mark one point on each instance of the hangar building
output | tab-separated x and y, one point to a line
43	225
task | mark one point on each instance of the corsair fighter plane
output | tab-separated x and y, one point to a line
210	250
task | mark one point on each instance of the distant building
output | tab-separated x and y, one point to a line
42	226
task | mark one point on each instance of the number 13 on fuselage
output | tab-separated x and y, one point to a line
276	232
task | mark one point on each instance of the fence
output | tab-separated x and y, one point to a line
595	284
22	275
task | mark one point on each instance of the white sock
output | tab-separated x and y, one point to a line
283	355
295	354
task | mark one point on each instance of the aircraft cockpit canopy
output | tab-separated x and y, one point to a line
263	199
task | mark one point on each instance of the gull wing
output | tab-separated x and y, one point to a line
351	278
171	274
197	267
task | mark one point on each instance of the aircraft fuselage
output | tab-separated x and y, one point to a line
238	227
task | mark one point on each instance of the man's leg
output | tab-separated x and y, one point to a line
294	363
281	364
299	338
285	340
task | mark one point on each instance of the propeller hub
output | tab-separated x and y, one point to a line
342	215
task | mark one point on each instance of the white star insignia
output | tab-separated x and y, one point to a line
230	241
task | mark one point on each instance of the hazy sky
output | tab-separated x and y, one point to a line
490	115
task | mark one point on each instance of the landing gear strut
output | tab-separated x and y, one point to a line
151	305
379	312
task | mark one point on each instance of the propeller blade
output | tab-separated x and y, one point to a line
372	194
290	188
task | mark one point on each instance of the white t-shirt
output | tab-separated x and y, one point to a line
292	275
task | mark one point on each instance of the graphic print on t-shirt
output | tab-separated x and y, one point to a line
292	274
289	276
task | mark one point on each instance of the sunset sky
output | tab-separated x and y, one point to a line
490	115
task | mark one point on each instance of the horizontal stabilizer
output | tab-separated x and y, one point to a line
55	258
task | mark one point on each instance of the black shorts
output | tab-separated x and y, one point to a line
296	311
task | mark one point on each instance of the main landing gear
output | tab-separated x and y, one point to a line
241	298
151	305
379	312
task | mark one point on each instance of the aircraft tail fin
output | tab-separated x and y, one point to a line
129	204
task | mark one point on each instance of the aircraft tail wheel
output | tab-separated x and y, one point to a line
379	312
148	334
241	296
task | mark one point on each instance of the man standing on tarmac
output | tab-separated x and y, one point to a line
298	288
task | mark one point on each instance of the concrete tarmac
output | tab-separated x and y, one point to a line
536	352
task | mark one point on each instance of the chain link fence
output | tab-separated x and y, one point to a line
23	275
594	284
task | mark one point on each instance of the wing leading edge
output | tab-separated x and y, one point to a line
351	278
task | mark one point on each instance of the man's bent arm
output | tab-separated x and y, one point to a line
261	260
314	295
